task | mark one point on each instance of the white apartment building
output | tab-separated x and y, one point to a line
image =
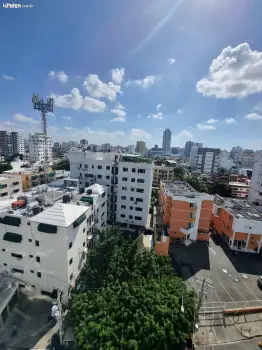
40	147
11	143
131	149
44	247
10	185
239	189
141	147
205	160
129	181
105	147
236	154
255	192
247	160
18	142
162	172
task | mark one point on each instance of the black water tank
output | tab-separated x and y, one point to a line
36	210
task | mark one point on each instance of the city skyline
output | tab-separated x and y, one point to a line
149	82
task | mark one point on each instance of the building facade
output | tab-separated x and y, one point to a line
11	143
239	189
206	160
247	159
40	147
140	147
255	193
239	223
162	172
186	212
236	154
131	149
166	144
9	185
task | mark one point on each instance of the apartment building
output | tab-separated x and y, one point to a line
189	145
206	160
131	149
166	143
255	193
236	154
239	223
141	147
247	159
40	147
162	172
9	185
129	180
186	212
44	246
239	189
11	143
17	142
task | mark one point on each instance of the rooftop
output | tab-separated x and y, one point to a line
239	208
238	184
179	188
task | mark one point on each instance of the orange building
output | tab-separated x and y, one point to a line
239	223
186	212
162	245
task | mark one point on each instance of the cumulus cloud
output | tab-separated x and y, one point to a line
118	75
140	134
204	127
61	76
8	77
230	120
97	89
144	83
236	72
171	60
23	119
158	106
119	112
119	106
158	115
92	105
253	116
212	121
258	107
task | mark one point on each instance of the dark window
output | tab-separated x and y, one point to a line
103	204
18	256
133	179
30	256
15	183
125	169
33	286
138	217
138	209
141	171
122	216
140	181
46	228
79	221
139	200
124	188
5	264
93	166
30	240
17	270
130	216
4	194
3	249
123	206
99	176
132	189
32	271
140	190
70	245
10	220
39	274
132	199
124	178
38	259
12	237
103	195
84	243
15	191
131	208
84	229
99	167
37	243
107	167
107	177
123	197
70	261
71	276
133	170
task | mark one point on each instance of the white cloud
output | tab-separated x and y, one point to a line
61	76
158	106
258	107
76	101
96	88
212	121
119	112
68	128
144	83
140	134
205	127
23	119
184	133
92	105
230	120
119	106
67	117
171	60
253	116
8	77
158	115
179	111
236	72
118	119
118	75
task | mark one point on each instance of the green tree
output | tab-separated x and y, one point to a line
197	184
179	173
5	167
220	188
222	171
62	165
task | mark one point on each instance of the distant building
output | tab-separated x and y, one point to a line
247	159
9	185
166	141
225	161
188	147
11	143
131	149
83	143
162	172
255	193
206	160
40	147
239	189
140	147
236	154
105	147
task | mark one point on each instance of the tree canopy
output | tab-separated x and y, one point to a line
5	167
62	165
129	298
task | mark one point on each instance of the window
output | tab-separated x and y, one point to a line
133	179
130	217
38	259
140	190
3	249
18	256
71	276
140	181
131	208
10	220
32	271
107	167
141	171
70	261
138	209
79	221
123	206
84	243
30	240
124	178
123	197
15	191
124	188
103	204
191	215
5	264
99	176
93	166
37	243
99	167
39	274
17	270
70	245
132	189
125	169
103	195
133	170
191	205
138	217
12	237
46	228
84	229
30	256
15	183
122	215
4	194
132	199
108	177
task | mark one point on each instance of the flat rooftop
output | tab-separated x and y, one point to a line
239	207
238	184
179	188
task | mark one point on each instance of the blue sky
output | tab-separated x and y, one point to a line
122	71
